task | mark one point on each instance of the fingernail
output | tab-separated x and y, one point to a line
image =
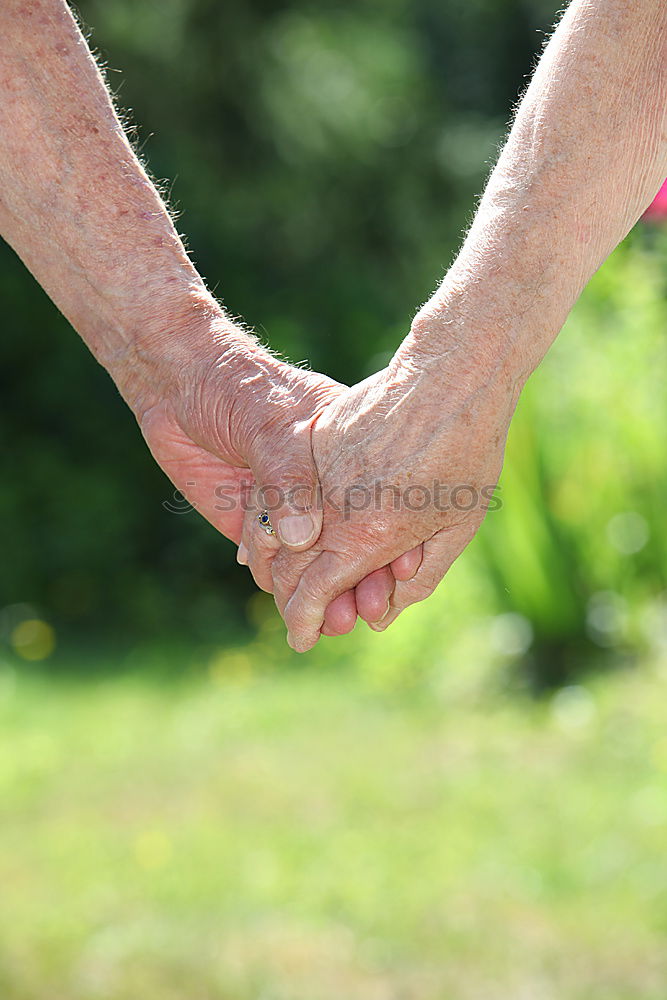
297	529
383	615
379	626
242	555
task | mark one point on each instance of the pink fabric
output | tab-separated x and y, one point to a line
658	207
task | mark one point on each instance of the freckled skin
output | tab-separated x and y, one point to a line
81	212
585	156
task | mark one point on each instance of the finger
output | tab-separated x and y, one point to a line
373	594
405	567
289	490
440	552
385	622
327	577
258	550
341	615
286	570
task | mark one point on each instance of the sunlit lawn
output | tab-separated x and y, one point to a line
306	835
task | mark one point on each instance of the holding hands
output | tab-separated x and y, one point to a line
373	490
404	464
369	493
407	462
234	434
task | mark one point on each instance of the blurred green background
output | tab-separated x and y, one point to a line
474	804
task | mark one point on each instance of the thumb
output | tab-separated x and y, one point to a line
288	489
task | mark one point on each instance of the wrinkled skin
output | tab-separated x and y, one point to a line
401	428
217	452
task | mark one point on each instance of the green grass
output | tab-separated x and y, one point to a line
306	835
386	818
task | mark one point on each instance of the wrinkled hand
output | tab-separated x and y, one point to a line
237	434
410	456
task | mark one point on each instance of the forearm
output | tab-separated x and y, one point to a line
79	209
586	154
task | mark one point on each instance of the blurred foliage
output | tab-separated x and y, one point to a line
325	160
580	547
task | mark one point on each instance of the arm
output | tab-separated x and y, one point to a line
585	157
586	154
80	210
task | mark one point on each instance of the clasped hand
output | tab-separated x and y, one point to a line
373	491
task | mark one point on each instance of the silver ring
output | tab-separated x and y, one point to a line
265	522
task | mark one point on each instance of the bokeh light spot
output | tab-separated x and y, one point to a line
628	532
606	617
33	639
511	634
234	667
573	708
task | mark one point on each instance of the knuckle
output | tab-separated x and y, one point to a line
314	591
303	612
422	590
294	488
288	567
413	592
